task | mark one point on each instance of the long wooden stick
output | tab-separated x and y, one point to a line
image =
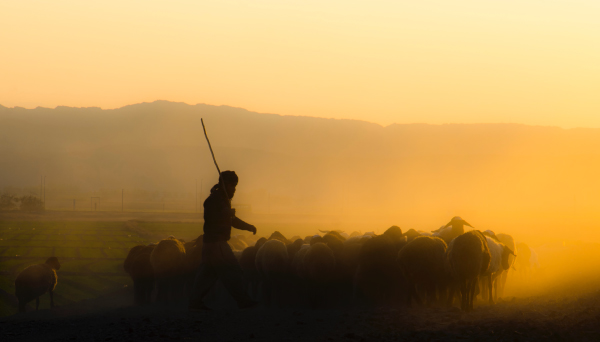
215	160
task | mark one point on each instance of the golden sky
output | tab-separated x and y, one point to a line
430	61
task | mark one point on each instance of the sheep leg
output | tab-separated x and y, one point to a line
442	293
502	284
412	293
51	298
431	298
496	289
37	303
21	305
489	285
465	298
471	295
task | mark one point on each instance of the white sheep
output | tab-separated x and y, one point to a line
509	242
498	264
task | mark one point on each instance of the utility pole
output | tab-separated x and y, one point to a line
122	195
41	177
44	192
196	209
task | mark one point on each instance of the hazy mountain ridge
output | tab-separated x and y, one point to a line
402	169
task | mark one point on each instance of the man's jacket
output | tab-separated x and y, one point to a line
218	218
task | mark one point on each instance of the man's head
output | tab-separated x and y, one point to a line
230	179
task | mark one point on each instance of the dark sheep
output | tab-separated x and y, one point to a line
411	234
260	242
272	264
319	267
138	266
293	248
237	244
248	265
422	263
335	233
468	257
36	280
355	233
278	236
377	280
168	261
193	259
316	239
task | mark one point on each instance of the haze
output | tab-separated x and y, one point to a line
435	62
523	180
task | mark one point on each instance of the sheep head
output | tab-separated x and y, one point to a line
53	262
506	252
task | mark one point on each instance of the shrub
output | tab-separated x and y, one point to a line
31	203
8	202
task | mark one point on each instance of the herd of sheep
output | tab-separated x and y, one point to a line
444	267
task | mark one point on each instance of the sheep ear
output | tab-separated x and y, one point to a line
449	224
467	224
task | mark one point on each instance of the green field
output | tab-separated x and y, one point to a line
91	254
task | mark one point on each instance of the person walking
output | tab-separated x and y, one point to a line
218	260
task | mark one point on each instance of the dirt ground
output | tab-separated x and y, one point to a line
112	318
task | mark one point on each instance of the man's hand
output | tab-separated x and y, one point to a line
253	230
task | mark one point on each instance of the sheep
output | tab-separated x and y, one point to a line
411	234
278	236
293	248
509	242
457	229
422	263
297	264
271	264
336	233
316	239
527	262
248	265
137	265
394	233
260	242
377	279
498	264
318	270
244	239
36	280
355	233
468	257
193	259
236	244
168	262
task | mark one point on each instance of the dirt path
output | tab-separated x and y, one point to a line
112	318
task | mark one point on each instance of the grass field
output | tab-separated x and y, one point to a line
91	253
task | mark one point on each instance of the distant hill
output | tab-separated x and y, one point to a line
415	172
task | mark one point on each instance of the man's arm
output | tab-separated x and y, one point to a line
239	224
